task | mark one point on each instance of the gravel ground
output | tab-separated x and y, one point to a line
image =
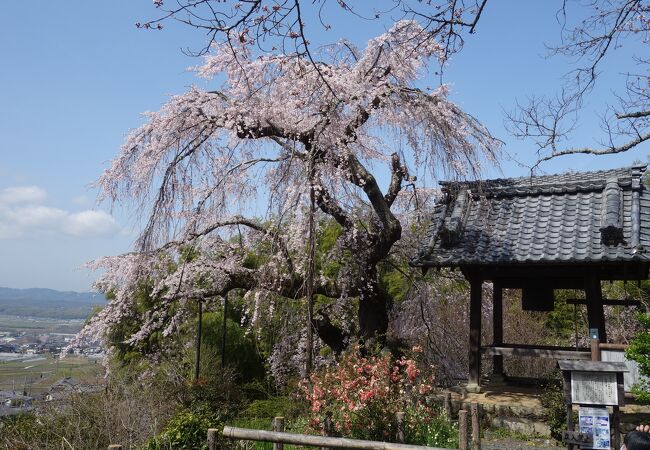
517	441
515	444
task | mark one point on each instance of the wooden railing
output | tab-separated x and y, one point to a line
313	441
278	437
550	351
538	351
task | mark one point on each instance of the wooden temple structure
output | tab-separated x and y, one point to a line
538	234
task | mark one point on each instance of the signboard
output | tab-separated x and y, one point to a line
595	422
594	388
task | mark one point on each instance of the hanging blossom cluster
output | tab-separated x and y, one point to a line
170	279
204	156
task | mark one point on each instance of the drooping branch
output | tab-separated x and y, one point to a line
605	28
611	150
278	24
399	173
275	236
330	206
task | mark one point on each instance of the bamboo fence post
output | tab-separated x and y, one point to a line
462	429
278	425
212	438
328	427
476	428
447	405
399	418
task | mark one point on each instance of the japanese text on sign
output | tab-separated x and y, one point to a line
593	388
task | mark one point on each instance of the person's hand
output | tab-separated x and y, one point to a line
644	428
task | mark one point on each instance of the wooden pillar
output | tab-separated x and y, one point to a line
399	420
497	328
475	333
462	429
595	311
476	426
212	438
278	425
595	350
616	426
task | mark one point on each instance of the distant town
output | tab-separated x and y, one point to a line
33	367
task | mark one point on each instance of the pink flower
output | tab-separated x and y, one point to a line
411	370
367	395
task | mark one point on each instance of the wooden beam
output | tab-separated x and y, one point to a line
542	347
551	279
606	301
551	353
621	347
561	276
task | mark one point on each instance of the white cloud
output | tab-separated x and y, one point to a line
35	216
22	194
82	200
90	223
23	214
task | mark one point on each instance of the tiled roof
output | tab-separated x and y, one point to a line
582	217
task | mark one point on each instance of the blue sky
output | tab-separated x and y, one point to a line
77	74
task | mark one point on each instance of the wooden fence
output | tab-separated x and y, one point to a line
279	437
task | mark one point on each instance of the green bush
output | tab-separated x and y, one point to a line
639	351
433	431
554	406
241	351
187	430
273	407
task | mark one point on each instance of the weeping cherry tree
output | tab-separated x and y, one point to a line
353	132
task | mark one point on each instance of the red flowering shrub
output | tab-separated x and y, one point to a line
363	394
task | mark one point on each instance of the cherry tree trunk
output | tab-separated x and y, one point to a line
374	303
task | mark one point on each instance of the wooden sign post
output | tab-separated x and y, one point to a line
594	386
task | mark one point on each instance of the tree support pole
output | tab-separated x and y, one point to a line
224	332
199	332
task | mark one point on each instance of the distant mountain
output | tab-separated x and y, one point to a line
38	302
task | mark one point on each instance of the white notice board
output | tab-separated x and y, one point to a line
595	421
594	388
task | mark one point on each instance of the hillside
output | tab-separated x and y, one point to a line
38	302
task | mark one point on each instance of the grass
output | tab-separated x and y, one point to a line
505	433
36	375
291	426
45	325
